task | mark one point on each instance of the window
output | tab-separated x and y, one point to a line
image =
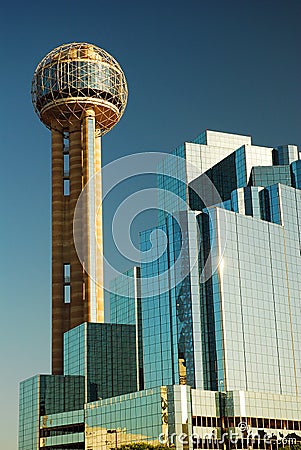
66	187
67	289
66	273
66	165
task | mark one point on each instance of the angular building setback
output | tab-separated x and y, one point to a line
204	345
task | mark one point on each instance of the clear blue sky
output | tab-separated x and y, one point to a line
226	65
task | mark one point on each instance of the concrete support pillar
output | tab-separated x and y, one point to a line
85	212
94	241
59	309
99	231
78	299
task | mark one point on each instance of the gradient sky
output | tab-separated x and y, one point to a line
225	65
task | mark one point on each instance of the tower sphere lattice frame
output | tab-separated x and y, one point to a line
75	77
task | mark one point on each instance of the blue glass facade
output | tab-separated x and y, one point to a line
63	431
254	338
158	319
105	354
125	308
42	395
124	299
296	174
191	160
266	176
221	334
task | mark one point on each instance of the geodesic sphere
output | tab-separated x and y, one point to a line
75	77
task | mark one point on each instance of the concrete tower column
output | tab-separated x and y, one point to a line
99	231
78	307
60	310
93	224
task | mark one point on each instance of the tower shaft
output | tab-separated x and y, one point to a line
76	297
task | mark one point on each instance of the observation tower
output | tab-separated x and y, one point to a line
79	92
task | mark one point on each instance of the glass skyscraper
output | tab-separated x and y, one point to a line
204	348
240	328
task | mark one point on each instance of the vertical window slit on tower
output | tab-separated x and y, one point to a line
66	142
67	289
66	187
66	165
